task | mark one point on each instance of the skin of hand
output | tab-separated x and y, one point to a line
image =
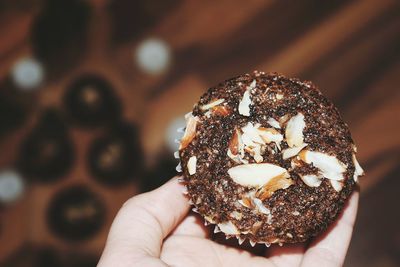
154	229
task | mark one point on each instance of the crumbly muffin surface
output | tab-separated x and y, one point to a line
267	158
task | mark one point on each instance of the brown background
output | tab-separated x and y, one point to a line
350	49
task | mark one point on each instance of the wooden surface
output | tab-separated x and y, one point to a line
350	49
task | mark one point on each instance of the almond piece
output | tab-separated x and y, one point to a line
296	162
221	110
244	104
236	148
281	181
191	165
358	170
212	104
228	228
283	120
260	206
294	130
330	167
337	185
247	202
311	180
190	131
255	175
292	151
251	135
234	143
270	135
274	123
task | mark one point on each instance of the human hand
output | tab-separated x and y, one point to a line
154	229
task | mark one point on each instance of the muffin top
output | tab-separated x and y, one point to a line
267	158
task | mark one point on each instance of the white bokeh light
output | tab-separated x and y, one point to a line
172	134
153	56
11	186
27	73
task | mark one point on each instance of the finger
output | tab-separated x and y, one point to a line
330	248
143	222
195	251
287	255
192	225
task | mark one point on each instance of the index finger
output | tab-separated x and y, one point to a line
143	222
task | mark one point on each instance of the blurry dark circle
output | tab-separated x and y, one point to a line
59	33
12	115
115	158
91	102
47	153
76	213
14	106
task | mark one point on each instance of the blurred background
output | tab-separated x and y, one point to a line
92	92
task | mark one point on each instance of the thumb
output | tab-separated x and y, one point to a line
142	223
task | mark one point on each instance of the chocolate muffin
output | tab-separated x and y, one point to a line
267	158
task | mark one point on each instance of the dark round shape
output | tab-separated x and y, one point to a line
76	213
58	35
255	203
116	158
91	102
47	152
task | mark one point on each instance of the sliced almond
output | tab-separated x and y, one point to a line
279	96
281	181
212	104
255	152
358	170
296	162
292	151
252	85
228	228
274	123
337	185
329	166
191	165
190	131
247	202
270	135
311	180
236	148
251	135
283	120
221	110
294	130
234	143
244	104
255	175
260	206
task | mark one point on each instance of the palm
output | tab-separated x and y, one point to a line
145	234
